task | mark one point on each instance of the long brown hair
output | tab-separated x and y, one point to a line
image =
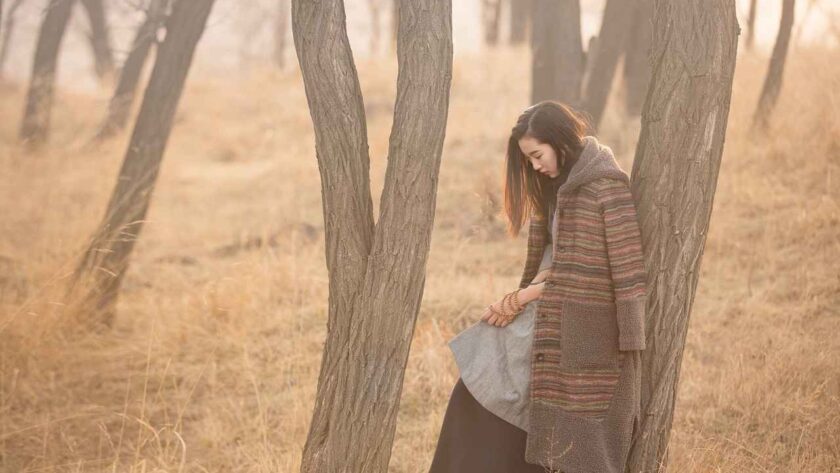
530	193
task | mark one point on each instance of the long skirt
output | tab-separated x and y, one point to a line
473	439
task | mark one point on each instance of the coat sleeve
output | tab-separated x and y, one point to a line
626	261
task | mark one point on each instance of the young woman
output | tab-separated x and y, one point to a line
550	374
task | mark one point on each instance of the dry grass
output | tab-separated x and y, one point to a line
214	360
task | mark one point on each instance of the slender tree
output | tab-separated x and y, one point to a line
776	70
674	178
491	14
36	116
520	15
369	334
637	66
557	51
8	28
612	41
129	78
751	24
98	276
99	37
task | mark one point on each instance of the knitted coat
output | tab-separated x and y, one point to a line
585	360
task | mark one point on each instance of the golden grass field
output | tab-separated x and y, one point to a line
213	363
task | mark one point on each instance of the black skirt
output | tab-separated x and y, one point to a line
473	439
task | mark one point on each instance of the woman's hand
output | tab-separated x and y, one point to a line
499	306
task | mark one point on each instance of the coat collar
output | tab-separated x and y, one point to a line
595	161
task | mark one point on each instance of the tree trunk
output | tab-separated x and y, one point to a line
751	25
377	272
99	38
520	13
637	67
557	51
775	72
8	28
675	174
105	262
491	12
120	104
281	33
375	7
612	40
36	116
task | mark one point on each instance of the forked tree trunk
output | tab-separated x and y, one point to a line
8	28
637	66
491	13
520	15
674	178
99	38
36	117
751	24
557	51
376	272
776	70
612	41
98	276
123	97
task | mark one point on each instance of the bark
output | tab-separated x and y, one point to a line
776	70
99	38
674	178
103	266
129	78
491	13
376	272
281	33
637	66
8	28
751	24
612	40
36	117
520	13
557	51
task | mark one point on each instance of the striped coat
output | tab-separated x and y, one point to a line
585	366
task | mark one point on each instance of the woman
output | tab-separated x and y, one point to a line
550	374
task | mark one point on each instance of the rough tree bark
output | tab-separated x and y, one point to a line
612	41
99	38
8	28
520	14
776	70
491	15
751	24
637	67
376	271
120	104
674	178
557	51
36	116
97	277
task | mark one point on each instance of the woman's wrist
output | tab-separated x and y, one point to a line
530	292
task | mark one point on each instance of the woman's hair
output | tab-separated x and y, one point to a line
528	192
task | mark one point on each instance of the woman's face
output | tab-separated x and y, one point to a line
541	156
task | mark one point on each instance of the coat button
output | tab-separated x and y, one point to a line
540	356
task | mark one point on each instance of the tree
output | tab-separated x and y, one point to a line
103	266
751	24
637	58
8	28
491	14
673	181
557	51
612	41
129	77
36	116
99	38
776	70
520	13
376	271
